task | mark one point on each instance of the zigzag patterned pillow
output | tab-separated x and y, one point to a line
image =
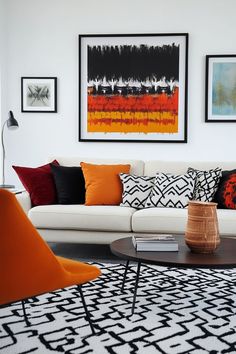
136	190
206	183
171	191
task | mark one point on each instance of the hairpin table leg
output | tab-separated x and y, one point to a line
86	309
136	287
124	277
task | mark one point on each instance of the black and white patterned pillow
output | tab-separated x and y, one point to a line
206	183
171	191
136	190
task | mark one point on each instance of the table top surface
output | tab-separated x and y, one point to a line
223	257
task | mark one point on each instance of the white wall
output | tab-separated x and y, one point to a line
42	40
2	69
1	56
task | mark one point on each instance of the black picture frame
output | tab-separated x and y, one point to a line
87	42
38	94
220	88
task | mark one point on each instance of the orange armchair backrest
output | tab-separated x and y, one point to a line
28	267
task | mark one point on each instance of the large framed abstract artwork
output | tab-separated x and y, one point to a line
133	87
220	88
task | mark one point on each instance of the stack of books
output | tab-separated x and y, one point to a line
156	242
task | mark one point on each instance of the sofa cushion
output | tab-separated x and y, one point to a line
171	190
70	184
136	166
225	195
174	220
81	217
227	221
103	184
39	183
166	220
136	190
180	167
206	183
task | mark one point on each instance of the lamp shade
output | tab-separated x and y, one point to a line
12	122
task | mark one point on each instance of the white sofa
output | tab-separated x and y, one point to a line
103	224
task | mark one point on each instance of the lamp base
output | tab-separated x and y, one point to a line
7	186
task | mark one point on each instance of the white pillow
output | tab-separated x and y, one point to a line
171	191
206	183
136	190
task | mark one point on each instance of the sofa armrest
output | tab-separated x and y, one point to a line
25	201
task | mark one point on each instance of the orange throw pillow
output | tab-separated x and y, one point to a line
103	184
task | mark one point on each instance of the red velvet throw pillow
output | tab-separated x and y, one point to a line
39	183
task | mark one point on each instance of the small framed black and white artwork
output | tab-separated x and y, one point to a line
39	94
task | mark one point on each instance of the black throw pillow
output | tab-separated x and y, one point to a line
70	184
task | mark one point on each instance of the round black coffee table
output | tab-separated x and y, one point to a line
223	257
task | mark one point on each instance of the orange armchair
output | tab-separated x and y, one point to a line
28	267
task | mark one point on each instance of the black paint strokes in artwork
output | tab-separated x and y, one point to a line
131	62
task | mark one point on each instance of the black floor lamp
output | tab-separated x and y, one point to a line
11	123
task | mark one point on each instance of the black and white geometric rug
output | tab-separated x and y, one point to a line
177	312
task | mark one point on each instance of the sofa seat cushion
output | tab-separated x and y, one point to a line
166	220
227	222
81	217
174	220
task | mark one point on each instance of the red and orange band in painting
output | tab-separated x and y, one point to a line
157	113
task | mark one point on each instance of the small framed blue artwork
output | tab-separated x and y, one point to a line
220	88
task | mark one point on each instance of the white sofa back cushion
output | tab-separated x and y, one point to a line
137	166
180	167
